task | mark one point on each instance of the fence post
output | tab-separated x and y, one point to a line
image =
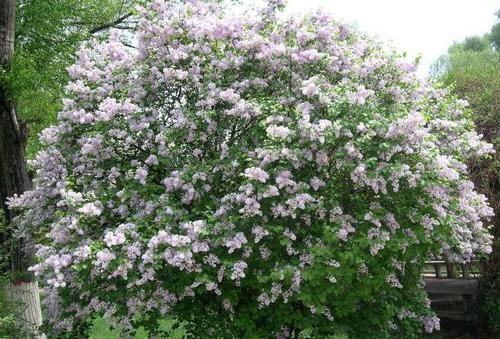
437	270
450	268
465	271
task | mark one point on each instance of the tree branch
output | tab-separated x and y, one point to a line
124	27
110	24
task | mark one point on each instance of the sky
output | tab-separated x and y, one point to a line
419	27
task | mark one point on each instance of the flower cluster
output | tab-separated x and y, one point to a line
250	174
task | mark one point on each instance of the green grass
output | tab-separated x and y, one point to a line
101	330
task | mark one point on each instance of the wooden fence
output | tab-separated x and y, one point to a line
453	288
440	268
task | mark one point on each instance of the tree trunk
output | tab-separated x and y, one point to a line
14	179
7	31
25	301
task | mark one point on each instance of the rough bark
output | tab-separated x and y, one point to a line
27	308
14	179
7	31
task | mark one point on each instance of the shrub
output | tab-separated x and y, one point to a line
7	314
252	176
489	311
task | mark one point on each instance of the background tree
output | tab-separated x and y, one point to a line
495	33
47	36
44	36
472	68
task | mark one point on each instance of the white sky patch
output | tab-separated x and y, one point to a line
419	27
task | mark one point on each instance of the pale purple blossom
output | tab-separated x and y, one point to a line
238	270
278	132
91	209
235	242
114	238
140	175
360	95
316	183
257	174
431	323
259	232
152	160
310	89
104	258
229	95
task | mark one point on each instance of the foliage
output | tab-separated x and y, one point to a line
495	33
167	329
100	329
476	76
7	314
490	308
476	44
252	176
7	319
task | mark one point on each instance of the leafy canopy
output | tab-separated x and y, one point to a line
48	34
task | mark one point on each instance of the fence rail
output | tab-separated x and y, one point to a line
440	268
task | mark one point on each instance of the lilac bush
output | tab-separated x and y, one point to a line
253	176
